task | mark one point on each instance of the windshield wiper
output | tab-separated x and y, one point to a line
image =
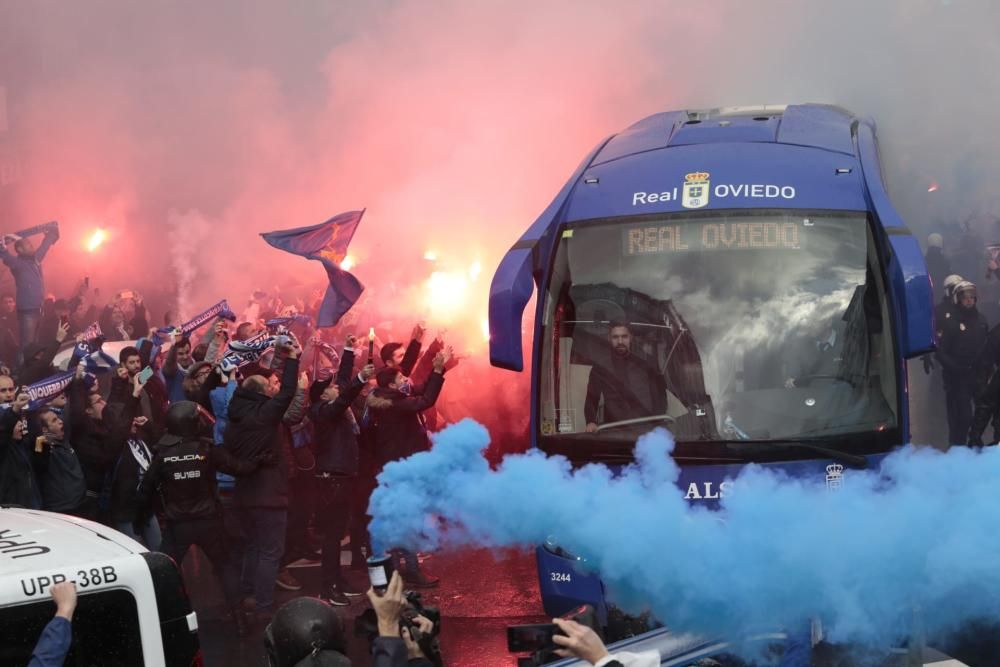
638	420
853	460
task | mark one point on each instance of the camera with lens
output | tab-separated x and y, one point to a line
366	625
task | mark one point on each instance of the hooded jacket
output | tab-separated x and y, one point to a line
255	422
398	426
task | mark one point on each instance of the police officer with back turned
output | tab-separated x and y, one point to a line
182	475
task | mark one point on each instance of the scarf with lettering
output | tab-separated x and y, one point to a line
220	309
45	390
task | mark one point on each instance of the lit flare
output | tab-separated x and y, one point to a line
96	239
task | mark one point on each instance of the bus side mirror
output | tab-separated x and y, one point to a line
510	292
908	277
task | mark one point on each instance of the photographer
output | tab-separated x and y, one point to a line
579	641
401	636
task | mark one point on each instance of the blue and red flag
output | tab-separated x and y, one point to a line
326	242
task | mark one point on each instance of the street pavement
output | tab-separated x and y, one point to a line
480	594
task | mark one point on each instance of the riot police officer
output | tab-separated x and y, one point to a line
182	477
962	341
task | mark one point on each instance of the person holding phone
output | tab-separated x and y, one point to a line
580	641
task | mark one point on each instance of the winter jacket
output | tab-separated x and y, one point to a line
27	272
61	477
135	454
335	436
630	389
18	485
220	398
255	422
399	428
93	440
963	340
182	475
944	310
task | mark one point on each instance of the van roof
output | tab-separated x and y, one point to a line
32	540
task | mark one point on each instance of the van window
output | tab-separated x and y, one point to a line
105	631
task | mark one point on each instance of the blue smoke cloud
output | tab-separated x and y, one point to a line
922	532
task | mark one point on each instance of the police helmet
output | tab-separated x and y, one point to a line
961	288
950	282
186	420
305	627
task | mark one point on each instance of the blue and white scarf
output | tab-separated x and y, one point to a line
239	353
220	309
45	390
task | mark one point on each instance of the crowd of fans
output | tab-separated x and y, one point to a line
250	436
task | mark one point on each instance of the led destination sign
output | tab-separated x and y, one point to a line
654	239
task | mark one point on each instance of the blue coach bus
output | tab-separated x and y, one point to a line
738	275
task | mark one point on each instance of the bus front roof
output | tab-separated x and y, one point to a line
801	156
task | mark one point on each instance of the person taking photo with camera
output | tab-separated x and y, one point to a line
398	643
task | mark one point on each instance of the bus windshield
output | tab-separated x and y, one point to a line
748	325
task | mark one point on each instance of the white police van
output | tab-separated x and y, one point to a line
132	607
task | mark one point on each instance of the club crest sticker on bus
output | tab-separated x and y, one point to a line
696	189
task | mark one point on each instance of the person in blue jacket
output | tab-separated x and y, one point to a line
26	267
54	643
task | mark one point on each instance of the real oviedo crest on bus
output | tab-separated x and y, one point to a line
696	189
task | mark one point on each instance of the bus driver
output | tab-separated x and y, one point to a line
629	387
